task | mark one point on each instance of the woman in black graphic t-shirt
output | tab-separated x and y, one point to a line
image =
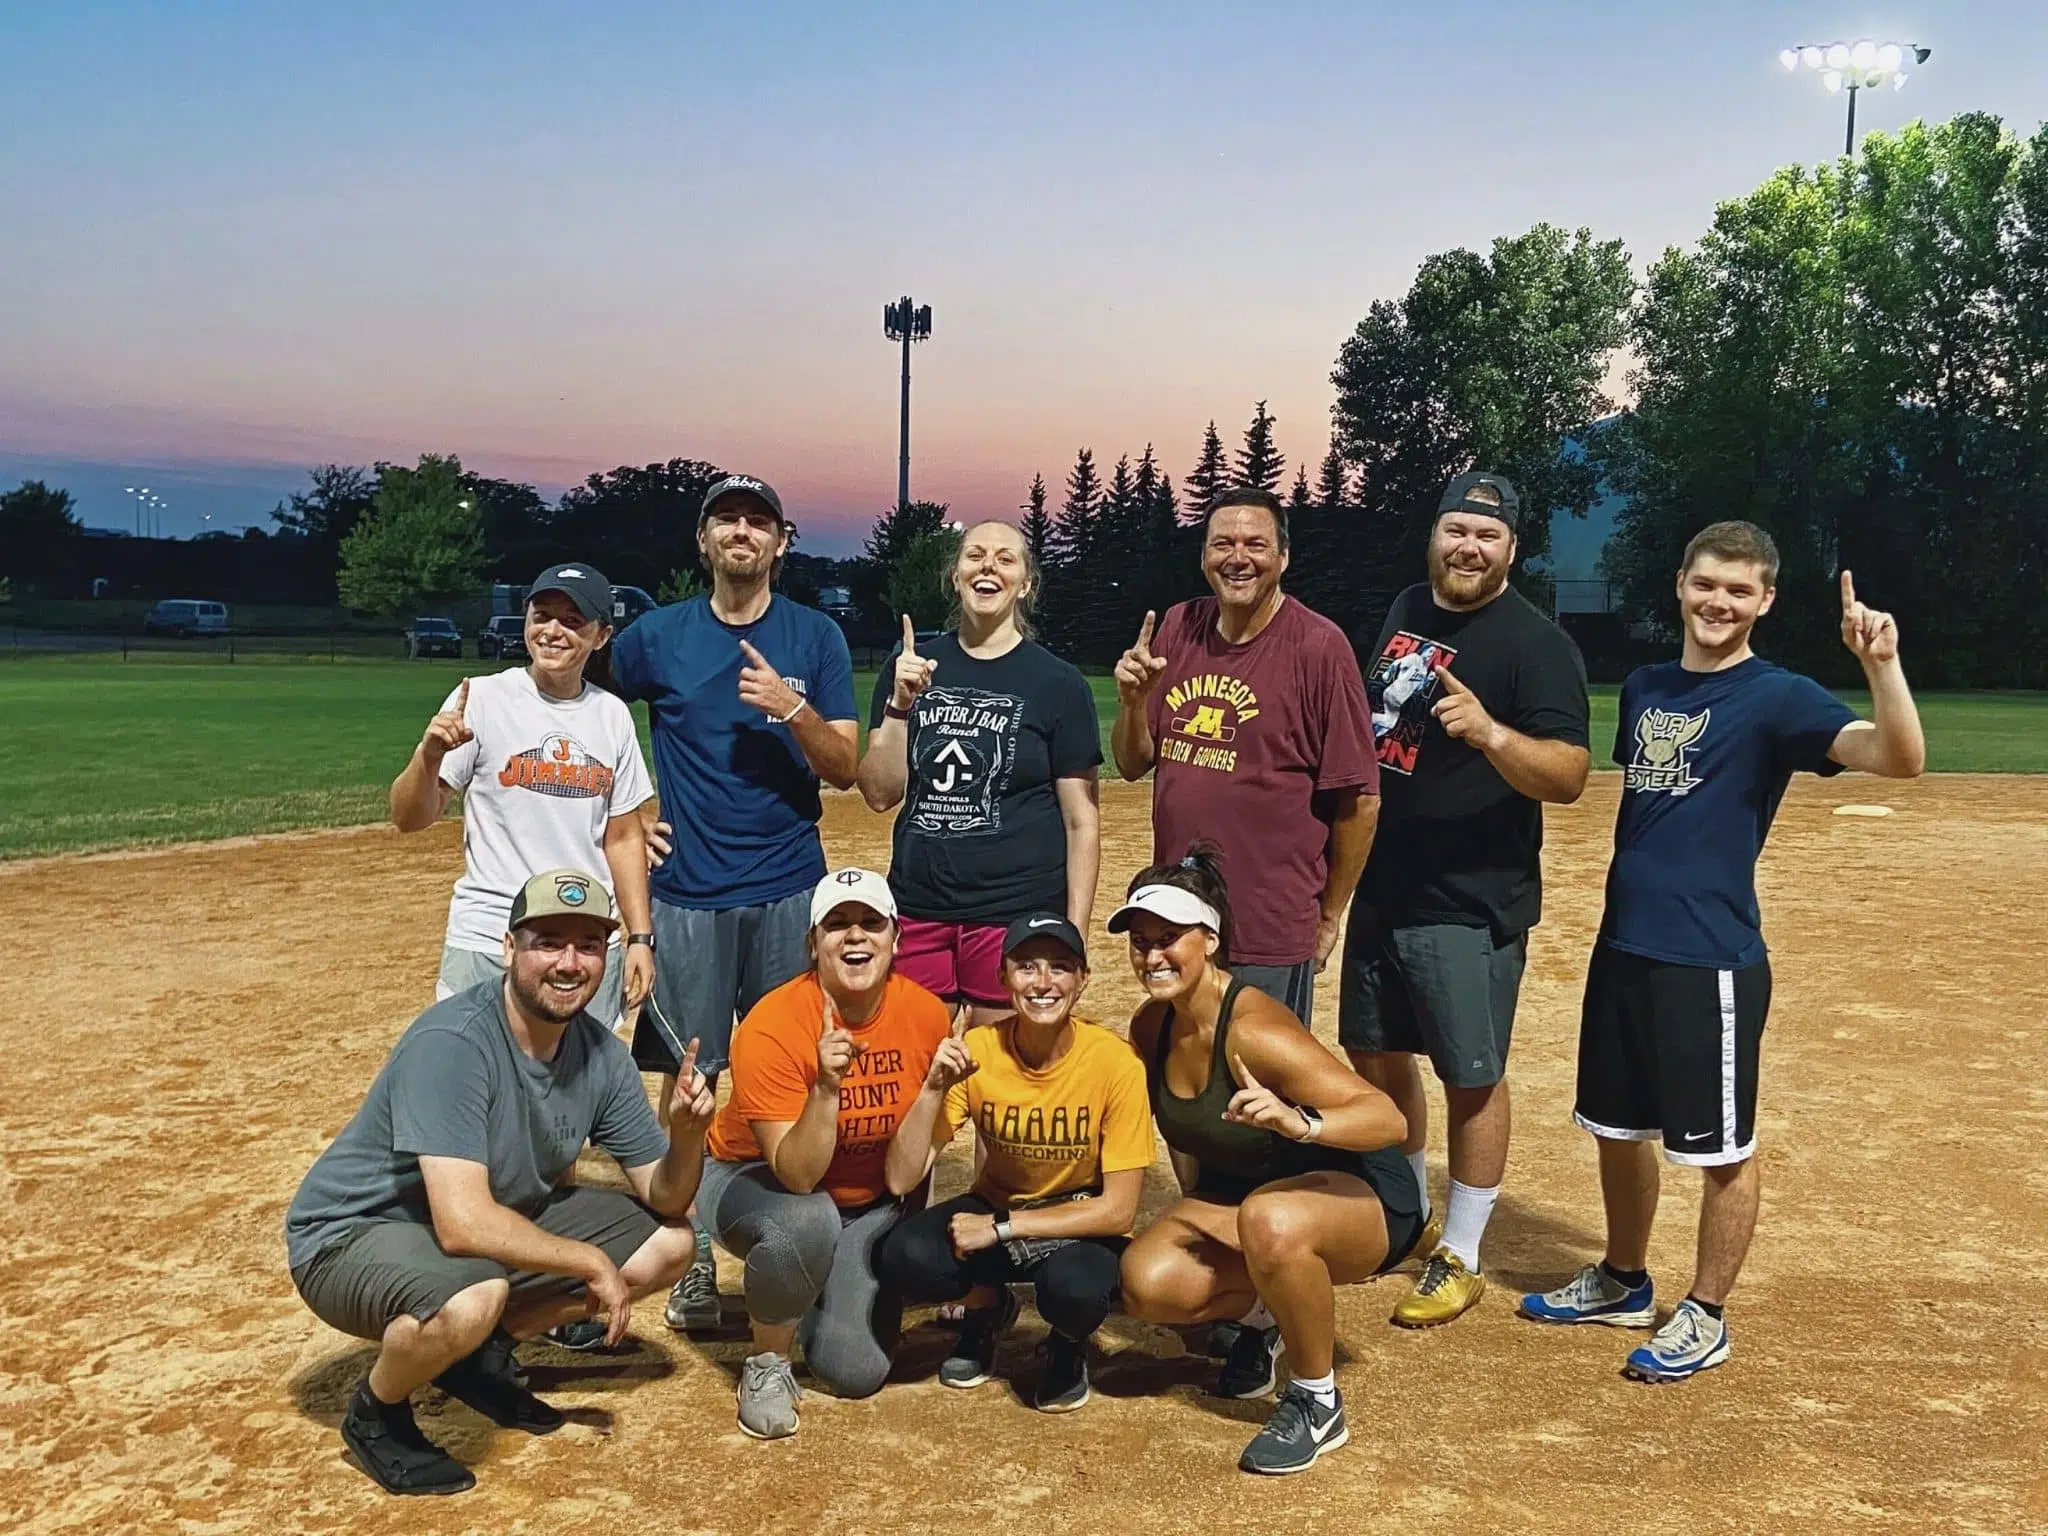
989	743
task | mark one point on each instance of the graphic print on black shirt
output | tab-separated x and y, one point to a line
963	755
1401	689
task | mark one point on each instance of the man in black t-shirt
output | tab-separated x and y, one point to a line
1479	716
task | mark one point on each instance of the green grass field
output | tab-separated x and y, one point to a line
155	751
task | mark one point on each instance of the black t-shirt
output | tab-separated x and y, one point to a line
1456	842
979	837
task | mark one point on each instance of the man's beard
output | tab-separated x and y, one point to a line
544	1002
1465	587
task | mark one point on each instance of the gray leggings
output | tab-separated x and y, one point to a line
810	1264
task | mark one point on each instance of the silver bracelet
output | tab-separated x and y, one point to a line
784	720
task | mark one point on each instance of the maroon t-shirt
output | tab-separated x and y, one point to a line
1248	738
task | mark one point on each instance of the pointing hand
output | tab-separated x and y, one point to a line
762	687
448	730
1871	636
1461	714
1138	670
913	672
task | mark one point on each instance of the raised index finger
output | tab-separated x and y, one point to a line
1848	591
909	637
754	657
462	697
1145	630
689	1062
1450	680
1244	1073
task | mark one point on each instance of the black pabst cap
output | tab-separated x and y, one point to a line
742	485
584	585
1486	495
1044	925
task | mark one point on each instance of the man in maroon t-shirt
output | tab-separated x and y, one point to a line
1250	712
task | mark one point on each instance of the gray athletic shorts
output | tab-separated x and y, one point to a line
387	1269
462	969
1292	986
710	968
1437	988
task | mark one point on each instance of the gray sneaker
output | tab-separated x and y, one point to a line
768	1397
693	1304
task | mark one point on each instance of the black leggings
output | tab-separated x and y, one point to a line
1075	1283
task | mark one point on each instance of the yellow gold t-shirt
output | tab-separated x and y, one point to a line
1054	1132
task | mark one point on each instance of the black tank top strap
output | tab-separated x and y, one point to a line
1219	1052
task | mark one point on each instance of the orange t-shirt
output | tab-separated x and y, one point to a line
775	1062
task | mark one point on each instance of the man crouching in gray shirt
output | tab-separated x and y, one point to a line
439	1223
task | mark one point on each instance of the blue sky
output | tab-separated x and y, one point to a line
240	239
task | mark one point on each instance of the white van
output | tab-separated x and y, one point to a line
184	616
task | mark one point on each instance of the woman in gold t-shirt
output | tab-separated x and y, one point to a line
1060	1107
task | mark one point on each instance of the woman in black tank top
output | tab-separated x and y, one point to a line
1291	1166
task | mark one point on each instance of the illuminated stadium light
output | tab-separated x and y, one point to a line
1863	65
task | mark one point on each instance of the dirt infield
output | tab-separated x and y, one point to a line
199	1021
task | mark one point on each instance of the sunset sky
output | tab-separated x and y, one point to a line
236	240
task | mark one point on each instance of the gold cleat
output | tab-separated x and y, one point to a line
1446	1290
1432	1235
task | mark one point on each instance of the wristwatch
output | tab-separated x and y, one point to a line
1004	1233
1311	1119
891	712
639	938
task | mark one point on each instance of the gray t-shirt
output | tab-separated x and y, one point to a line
457	1085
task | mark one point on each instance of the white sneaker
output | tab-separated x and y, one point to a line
1693	1340
768	1397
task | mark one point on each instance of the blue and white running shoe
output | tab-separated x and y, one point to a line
1692	1341
1594	1296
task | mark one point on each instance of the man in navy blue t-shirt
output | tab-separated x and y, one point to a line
750	699
1679	986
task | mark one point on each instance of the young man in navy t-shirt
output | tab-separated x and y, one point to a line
1679	985
750	700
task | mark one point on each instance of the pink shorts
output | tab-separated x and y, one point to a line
955	960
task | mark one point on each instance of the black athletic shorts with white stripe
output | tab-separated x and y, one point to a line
1671	1051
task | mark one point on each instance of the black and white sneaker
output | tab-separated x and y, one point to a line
585	1333
973	1360
1300	1430
1250	1369
1063	1384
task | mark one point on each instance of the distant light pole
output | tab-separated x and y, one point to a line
138	492
906	321
1863	65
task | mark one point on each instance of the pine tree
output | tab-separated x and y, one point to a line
1072	544
1298	497
1208	479
1333	480
1260	462
1037	526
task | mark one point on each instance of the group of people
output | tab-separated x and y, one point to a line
1303	794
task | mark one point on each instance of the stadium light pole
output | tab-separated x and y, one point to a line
138	492
1863	65
906	321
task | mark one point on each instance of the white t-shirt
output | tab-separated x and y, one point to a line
539	779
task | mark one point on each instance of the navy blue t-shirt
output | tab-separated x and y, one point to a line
1706	758
733	783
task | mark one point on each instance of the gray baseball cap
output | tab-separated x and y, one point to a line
584	585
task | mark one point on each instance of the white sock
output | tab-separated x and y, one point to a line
1419	1161
1465	1221
1322	1388
1259	1317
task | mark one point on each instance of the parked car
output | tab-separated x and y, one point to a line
628	604
186	616
433	637
503	639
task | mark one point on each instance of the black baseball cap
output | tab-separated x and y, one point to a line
1044	925
742	485
584	585
1486	495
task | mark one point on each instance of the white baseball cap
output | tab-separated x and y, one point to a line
858	885
1182	908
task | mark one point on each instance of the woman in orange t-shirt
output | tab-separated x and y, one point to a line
797	1181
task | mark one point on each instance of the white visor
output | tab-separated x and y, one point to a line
1183	908
856	885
